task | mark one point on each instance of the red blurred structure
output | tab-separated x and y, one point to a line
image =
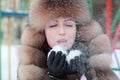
108	17
109	25
116	37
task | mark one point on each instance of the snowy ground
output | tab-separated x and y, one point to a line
14	63
116	61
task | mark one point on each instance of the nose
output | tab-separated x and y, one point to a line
61	31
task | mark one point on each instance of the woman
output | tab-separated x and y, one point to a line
67	23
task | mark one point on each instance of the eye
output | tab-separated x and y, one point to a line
51	26
69	25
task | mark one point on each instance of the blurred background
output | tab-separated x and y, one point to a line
14	17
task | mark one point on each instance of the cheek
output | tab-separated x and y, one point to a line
72	34
50	37
71	37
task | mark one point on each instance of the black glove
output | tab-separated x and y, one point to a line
77	65
57	64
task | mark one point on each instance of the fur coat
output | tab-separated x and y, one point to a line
32	53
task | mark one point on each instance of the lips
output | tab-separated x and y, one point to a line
61	41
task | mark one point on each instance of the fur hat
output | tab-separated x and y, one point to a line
42	11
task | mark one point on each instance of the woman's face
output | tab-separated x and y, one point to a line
61	31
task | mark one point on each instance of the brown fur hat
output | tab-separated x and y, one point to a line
42	11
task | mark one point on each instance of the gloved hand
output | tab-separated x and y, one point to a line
77	65
57	64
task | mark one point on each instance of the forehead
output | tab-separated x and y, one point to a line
62	18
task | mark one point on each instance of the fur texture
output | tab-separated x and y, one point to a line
35	56
41	11
28	72
90	30
32	38
32	53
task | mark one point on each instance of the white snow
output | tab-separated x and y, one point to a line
116	63
56	49
14	62
72	55
69	56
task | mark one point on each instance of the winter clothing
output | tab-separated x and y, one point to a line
83	77
41	11
32	53
57	64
